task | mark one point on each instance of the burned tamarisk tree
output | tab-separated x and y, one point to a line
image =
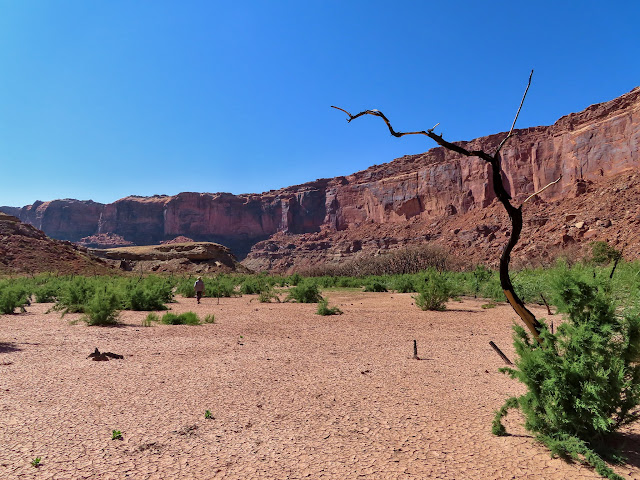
515	213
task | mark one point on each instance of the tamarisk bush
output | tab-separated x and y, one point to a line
434	291
582	381
13	295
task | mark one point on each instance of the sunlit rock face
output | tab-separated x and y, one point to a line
599	142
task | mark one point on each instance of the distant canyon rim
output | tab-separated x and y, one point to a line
438	197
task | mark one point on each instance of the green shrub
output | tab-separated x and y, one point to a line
375	286
582	381
74	295
48	292
267	295
480	275
186	318
12	296
326	281
146	295
150	319
325	309
253	285
403	284
434	291
603	253
305	292
220	287
348	282
209	318
102	308
185	287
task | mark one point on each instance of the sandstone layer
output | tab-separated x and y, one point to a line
417	197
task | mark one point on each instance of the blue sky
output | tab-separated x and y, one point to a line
100	100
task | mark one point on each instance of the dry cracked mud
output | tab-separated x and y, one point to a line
292	395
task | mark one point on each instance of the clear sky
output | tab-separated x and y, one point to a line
104	99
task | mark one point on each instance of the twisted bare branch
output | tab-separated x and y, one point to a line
429	133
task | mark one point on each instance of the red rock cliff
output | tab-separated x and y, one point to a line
602	141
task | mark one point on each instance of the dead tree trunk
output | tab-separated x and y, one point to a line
515	213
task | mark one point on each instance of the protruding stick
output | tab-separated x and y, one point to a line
499	352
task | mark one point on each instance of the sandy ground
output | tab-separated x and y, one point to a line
293	395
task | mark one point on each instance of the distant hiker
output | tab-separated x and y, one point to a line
199	288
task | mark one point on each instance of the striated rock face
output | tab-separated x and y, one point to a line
413	192
61	219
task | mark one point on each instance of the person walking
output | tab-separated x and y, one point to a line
199	288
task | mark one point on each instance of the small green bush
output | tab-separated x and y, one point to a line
252	285
186	318
13	296
185	287
603	253
403	284
148	294
48	292
481	274
221	287
102	309
583	383
267	295
304	292
209	318
141	299
434	292
375	286
74	295
325	309
150	319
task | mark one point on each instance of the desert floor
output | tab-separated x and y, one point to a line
293	395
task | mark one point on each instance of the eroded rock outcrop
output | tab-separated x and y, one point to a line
27	250
194	257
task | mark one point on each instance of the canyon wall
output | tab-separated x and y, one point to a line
599	142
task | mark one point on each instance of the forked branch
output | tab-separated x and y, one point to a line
541	190
510	134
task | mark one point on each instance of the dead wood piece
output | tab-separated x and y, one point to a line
113	355
499	352
98	356
544	300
